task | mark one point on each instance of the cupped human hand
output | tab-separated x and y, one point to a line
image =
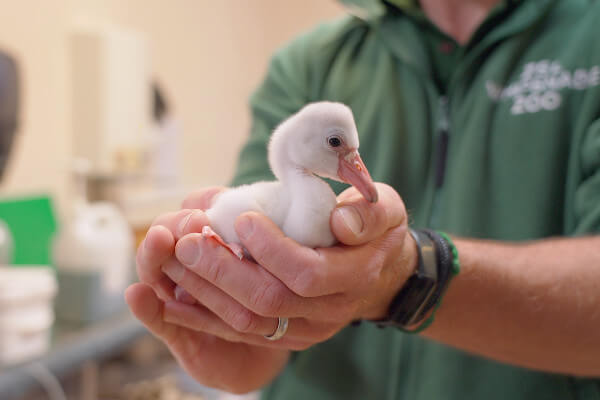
223	362
319	290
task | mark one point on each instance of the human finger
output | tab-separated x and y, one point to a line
233	313
240	318
299	334
277	253
159	244
157	247
202	199
182	222
356	221
248	283
307	272
148	308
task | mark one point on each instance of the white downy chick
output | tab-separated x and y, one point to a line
320	139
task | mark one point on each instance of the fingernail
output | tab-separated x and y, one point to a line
127	292
183	224
174	271
146	242
187	251
245	226
182	296
351	219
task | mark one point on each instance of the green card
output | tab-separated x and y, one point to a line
32	223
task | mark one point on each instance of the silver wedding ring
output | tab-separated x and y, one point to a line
282	326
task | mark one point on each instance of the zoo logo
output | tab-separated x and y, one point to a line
540	84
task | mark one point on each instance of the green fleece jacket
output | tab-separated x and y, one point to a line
511	151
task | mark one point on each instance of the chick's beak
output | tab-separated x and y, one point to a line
352	170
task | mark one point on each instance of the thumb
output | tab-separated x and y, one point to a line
355	221
266	242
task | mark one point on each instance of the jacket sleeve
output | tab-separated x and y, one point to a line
282	93
587	194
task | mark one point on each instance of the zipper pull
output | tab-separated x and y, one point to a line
441	150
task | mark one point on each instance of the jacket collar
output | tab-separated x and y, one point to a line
404	41
373	9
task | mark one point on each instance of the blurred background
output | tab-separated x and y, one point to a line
110	112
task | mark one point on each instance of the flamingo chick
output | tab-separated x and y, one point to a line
320	139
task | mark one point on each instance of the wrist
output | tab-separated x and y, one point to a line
413	307
401	268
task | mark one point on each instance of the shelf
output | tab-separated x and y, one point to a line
72	347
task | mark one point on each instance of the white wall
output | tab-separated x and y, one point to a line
207	55
34	32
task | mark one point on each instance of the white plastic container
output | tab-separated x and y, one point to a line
94	258
26	312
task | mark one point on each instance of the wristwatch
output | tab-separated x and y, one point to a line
424	288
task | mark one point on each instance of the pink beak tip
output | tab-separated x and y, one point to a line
352	170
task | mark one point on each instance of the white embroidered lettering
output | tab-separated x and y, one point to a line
540	84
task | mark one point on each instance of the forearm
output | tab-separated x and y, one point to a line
534	305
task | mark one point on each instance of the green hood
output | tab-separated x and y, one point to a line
370	9
367	9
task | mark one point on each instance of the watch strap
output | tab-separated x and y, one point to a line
413	308
410	305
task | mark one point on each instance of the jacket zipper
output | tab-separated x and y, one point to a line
440	160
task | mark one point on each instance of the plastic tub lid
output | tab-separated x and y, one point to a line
23	284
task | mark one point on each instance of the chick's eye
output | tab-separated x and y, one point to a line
334	141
